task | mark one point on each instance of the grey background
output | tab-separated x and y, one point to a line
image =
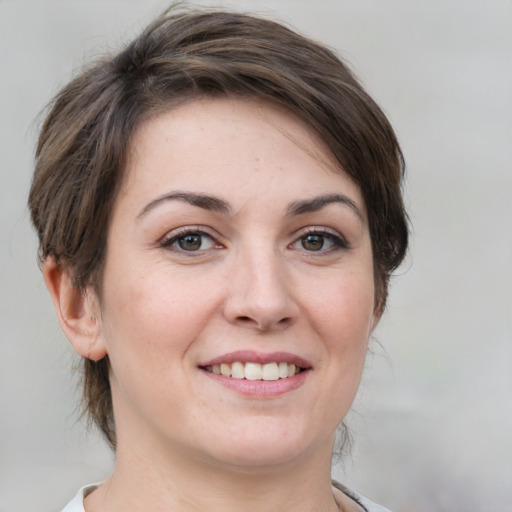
433	420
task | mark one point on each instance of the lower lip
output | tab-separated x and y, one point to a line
260	388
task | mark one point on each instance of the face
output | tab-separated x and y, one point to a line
238	292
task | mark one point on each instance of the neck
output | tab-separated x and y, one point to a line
170	480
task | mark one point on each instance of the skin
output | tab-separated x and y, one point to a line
260	275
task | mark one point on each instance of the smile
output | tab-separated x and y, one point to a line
254	371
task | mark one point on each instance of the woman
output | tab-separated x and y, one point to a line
219	212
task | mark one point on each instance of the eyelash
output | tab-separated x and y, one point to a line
168	242
337	241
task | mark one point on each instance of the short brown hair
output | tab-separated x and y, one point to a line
83	144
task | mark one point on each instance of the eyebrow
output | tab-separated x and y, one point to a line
317	203
210	203
215	204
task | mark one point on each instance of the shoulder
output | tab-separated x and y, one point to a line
77	503
368	506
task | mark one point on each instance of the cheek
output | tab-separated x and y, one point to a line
343	315
342	320
344	306
153	317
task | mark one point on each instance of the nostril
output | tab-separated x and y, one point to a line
248	321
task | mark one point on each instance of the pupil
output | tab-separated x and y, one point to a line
190	242
313	242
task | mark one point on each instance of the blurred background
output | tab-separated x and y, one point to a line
432	424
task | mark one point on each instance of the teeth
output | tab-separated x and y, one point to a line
255	371
225	369
252	371
237	370
270	371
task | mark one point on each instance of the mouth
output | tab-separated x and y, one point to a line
249	370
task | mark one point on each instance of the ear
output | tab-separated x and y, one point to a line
78	312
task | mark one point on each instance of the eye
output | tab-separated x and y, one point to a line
314	242
189	241
319	241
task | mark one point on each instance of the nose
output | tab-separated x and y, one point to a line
260	293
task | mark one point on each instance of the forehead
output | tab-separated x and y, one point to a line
230	145
199	115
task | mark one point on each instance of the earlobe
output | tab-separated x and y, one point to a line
78	312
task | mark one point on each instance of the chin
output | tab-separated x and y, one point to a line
265	448
258	461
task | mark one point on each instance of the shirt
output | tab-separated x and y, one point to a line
77	503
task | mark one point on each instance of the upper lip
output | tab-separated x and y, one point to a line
246	356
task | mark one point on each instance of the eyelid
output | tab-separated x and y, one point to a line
337	238
172	236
